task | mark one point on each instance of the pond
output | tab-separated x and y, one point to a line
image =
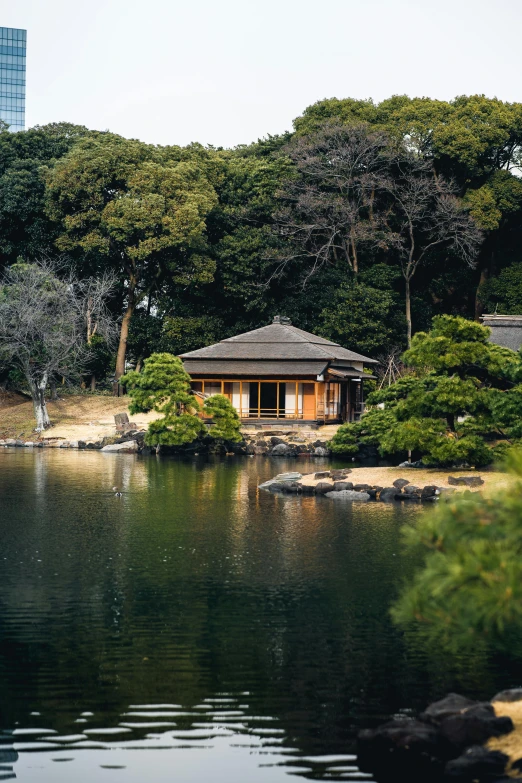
196	628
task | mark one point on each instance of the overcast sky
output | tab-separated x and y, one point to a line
227	72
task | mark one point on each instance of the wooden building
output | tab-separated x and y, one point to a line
506	330
281	372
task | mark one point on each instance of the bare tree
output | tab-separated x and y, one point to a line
42	327
426	216
330	209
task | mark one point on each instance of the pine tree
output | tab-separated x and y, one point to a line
164	386
469	587
226	420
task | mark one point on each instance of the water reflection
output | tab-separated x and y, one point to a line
198	613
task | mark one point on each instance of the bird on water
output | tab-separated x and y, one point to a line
116	491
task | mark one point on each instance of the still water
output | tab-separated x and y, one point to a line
198	629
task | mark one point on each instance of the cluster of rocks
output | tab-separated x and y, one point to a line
130	442
280	443
337	487
445	743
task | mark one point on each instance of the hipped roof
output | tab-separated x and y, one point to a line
506	330
275	342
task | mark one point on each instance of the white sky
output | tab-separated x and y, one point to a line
227	72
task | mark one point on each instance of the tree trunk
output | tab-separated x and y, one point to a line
479	307
41	415
408	311
122	347
450	418
93	383
54	393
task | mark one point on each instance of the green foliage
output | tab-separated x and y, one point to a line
503	294
226	420
459	404
363	317
164	386
470	584
369	431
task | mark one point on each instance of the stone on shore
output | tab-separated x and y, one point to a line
468	481
348	494
128	447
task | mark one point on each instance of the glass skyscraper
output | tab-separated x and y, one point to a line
12	77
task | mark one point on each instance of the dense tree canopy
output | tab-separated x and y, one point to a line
205	243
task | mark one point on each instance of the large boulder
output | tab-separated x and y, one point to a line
128	447
348	494
429	491
322	474
411	492
388	494
283	450
477	764
474	726
402	751
512	694
323	487
321	451
339	486
467	481
400	483
452	704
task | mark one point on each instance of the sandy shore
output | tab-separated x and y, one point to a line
420	477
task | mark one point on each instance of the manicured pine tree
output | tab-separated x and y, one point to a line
164	386
226	420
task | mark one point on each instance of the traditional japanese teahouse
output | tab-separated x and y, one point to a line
281	372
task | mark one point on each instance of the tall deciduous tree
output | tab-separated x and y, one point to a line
42	327
137	209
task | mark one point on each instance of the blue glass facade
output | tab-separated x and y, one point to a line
12	77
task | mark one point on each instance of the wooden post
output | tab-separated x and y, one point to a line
277	400
203	388
240	399
315	393
222	387
296	400
259	399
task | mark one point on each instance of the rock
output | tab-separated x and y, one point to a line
339	486
348	494
261	443
282	450
388	493
400	483
468	481
362	487
513	694
374	491
452	704
307	489
402	750
291	486
339	474
411	492
10	442
320	451
477	764
82	444
121	420
260	449
19	443
276	486
474	726
428	492
322	474
446	490
29	444
129	447
276	441
323	487
292	476
418	464
73	444
63	445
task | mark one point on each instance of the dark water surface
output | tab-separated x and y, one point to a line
198	629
